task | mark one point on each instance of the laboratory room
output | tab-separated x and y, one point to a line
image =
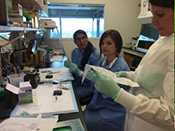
87	65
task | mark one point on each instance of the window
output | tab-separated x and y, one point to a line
71	17
4	36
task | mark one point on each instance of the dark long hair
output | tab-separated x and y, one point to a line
76	33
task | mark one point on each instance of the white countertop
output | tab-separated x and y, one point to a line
45	103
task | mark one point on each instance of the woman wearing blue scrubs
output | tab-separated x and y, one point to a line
102	113
85	51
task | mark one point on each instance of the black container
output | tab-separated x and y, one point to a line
33	78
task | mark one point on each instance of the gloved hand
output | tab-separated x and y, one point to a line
104	84
72	67
121	74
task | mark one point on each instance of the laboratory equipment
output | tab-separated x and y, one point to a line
25	93
145	15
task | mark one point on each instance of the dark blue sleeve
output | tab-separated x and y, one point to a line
75	57
94	57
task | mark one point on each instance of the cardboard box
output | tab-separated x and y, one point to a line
25	93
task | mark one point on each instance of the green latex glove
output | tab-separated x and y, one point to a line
72	67
121	74
104	84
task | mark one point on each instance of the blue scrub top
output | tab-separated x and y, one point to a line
77	55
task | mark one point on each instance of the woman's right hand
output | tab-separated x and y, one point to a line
104	84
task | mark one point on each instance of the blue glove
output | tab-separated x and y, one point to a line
104	84
72	67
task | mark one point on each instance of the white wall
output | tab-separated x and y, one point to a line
119	14
69	45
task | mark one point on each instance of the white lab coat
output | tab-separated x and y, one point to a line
151	108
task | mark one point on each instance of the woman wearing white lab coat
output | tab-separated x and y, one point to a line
150	107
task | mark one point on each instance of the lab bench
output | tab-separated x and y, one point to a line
132	57
64	107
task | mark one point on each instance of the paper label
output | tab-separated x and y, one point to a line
12	88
